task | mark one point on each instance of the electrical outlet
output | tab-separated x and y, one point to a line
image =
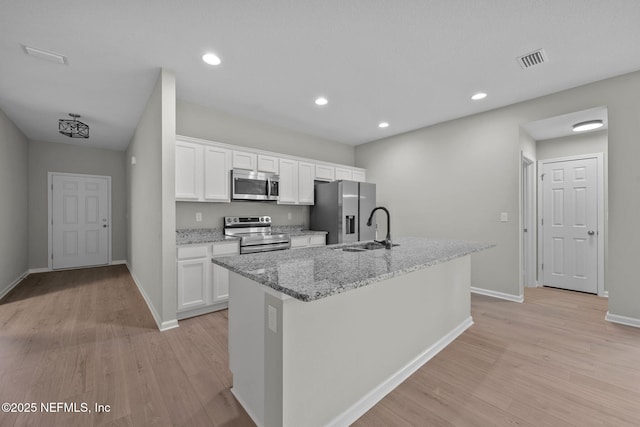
504	217
198	216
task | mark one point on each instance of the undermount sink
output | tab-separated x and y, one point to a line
363	247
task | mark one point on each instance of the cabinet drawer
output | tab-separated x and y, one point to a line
317	240
192	252
221	249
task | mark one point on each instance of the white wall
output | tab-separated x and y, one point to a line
215	125
151	199
468	170
14	206
47	157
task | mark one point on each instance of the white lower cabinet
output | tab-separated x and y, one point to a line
308	240
203	287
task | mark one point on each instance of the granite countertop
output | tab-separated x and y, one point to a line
313	273
191	236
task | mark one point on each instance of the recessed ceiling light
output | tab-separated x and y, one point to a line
383	125
322	101
211	59
478	96
588	125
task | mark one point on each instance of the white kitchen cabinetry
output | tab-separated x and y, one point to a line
344	173
202	172
203	287
188	171
193	268
325	172
288	182
308	240
216	174
359	175
306	175
267	163
244	160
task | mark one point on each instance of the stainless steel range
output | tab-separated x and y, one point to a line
255	234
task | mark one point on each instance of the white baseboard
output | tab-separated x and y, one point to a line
623	320
496	294
246	407
377	394
47	269
605	294
119	261
13	284
162	326
39	270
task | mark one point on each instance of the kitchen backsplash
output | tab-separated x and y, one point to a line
213	213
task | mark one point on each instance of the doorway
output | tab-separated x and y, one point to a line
571	215
529	238
79	220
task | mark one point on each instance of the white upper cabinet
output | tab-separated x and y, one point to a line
344	173
359	175
244	160
267	163
203	171
216	174
325	172
288	182
306	175
188	171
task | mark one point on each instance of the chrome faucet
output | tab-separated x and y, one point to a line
387	241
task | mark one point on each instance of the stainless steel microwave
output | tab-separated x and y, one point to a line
250	185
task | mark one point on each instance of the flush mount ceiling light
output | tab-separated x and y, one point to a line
73	128
321	101
478	96
588	125
211	59
383	125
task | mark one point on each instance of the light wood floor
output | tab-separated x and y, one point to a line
87	336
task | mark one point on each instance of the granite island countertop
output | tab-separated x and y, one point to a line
313	273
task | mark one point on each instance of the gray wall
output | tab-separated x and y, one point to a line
454	179
151	199
47	157
214	125
14	206
212	213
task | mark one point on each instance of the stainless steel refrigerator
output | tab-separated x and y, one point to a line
342	209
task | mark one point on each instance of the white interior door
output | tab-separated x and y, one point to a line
80	220
570	224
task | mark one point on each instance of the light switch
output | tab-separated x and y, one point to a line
198	216
272	316
504	217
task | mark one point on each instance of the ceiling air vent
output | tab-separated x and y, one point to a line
531	59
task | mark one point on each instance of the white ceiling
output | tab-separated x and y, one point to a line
412	63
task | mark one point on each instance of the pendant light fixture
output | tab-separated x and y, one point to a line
588	125
73	128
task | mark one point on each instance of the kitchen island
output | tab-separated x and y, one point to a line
317	336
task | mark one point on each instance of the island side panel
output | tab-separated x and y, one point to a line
338	350
247	344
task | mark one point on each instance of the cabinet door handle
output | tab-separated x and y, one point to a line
591	232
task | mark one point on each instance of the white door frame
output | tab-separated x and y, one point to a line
50	211
529	260
600	200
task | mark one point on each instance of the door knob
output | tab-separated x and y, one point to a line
591	232
104	226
